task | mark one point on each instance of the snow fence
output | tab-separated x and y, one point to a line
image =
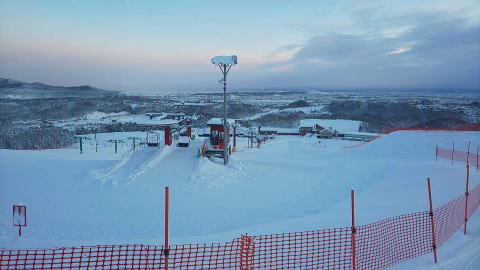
460	156
373	246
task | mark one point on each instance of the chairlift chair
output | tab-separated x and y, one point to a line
153	139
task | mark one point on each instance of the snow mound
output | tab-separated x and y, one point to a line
210	175
132	167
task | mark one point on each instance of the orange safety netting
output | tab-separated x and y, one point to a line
460	156
377	246
384	243
324	249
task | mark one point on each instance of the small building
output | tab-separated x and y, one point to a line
305	129
328	128
325	134
217	133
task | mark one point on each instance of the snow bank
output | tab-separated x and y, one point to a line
132	167
210	175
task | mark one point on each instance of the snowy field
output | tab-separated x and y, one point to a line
291	184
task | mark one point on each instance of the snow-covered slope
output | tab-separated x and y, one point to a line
290	184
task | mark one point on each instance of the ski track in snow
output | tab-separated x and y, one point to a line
132	167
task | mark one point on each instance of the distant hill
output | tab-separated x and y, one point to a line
22	90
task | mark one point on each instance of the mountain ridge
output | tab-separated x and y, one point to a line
14	89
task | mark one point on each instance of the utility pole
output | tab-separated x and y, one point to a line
81	146
225	124
225	63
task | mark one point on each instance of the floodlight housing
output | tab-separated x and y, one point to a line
224	60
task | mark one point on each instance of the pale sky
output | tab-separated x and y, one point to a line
158	46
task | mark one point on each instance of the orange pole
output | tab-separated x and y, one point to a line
478	146
432	221
166	248
466	201
453	151
354	230
468	153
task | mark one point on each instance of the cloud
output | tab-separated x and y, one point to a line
395	32
326	44
284	53
432	52
400	50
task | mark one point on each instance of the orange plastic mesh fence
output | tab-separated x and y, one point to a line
377	245
91	257
460	156
384	243
448	219
325	249
473	201
212	256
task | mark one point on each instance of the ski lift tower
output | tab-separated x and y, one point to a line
225	63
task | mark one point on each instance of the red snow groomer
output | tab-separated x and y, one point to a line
214	145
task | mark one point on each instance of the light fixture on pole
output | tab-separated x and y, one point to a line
225	63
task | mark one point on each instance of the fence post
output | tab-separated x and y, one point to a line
466	200
134	144
436	153
246	253
354	231
468	152
453	151
115	146
478	146
432	221
166	250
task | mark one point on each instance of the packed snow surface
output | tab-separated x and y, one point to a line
291	183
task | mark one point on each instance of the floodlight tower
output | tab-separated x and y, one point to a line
225	63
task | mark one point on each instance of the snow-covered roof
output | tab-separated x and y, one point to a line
341	125
227	60
219	121
280	130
